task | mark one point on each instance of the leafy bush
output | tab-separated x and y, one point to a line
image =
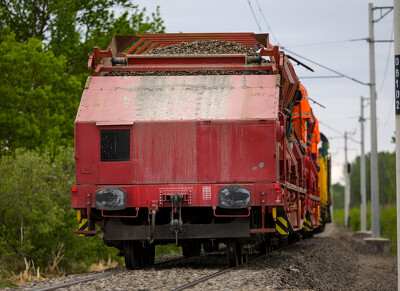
36	218
169	249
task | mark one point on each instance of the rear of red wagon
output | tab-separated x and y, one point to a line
190	148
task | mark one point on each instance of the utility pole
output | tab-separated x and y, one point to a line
376	241
347	186
362	170
375	221
396	23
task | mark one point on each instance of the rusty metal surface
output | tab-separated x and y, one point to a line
162	98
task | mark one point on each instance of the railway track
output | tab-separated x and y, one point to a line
226	270
103	275
162	265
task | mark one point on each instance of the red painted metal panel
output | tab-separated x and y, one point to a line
115	172
202	195
164	152
161	98
86	153
236	152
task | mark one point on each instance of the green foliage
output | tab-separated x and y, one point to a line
169	249
387	176
44	48
338	195
387	220
38	99
36	218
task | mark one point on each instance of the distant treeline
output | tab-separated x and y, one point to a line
387	182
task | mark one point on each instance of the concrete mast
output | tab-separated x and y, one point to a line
375	221
362	173
347	186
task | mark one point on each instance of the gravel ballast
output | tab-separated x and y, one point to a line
197	48
334	260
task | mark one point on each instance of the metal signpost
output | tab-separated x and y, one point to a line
396	19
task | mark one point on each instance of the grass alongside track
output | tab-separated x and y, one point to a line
387	219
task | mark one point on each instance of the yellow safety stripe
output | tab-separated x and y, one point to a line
283	221
281	226
83	221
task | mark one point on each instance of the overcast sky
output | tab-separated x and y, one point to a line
318	30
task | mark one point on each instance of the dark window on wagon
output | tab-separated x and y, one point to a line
115	146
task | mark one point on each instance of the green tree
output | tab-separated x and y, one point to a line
38	99
387	178
44	46
338	195
72	27
36	219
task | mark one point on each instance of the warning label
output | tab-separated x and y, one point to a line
206	192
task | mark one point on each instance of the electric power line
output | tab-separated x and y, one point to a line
255	18
326	68
319	77
266	22
331	128
384	79
321	43
318	64
387	63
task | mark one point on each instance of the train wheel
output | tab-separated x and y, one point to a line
191	249
133	255
233	253
148	255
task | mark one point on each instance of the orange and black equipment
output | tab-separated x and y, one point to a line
301	114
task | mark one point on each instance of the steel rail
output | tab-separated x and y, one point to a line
67	284
193	283
226	270
97	276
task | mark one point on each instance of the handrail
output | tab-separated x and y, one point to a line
284	147
122	216
232	215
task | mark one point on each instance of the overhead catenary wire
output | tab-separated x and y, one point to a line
320	43
266	22
387	62
319	77
254	15
311	61
327	68
330	127
390	112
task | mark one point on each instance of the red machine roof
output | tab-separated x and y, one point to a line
124	100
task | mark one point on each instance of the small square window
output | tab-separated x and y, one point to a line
114	145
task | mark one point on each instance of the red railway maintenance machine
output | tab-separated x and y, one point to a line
168	152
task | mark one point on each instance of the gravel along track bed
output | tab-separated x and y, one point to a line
334	260
338	261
